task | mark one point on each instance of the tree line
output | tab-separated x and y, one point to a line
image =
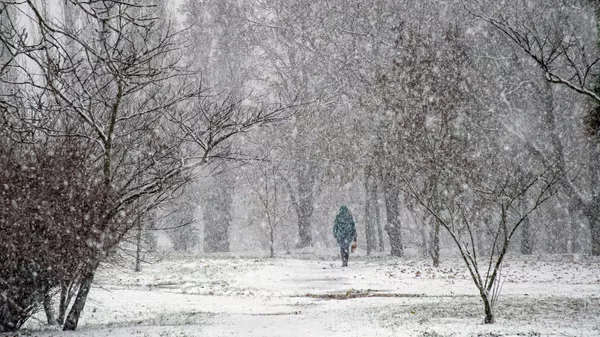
425	93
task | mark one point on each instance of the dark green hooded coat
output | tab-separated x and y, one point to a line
343	228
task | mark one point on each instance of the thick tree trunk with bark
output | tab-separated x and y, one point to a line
526	238
487	307
393	227
592	211
304	211
304	229
305	177
435	246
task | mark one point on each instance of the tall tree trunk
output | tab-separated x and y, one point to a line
306	179
304	224
370	204
526	237
594	222
424	249
138	240
82	294
593	210
593	126
576	246
271	241
393	227
595	230
435	246
381	246
305	173
435	233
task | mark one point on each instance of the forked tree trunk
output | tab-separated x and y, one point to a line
487	307
65	299
79	303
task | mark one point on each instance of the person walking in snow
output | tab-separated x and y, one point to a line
344	232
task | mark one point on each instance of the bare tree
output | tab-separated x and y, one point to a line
115	81
267	185
493	207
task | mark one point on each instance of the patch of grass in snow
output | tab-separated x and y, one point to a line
179	318
434	334
356	293
520	312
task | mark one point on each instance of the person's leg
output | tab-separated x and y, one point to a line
345	255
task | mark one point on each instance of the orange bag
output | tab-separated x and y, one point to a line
353	247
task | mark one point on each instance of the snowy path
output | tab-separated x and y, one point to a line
285	297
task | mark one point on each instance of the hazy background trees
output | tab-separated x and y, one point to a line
403	91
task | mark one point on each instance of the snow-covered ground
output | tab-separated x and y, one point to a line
313	296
